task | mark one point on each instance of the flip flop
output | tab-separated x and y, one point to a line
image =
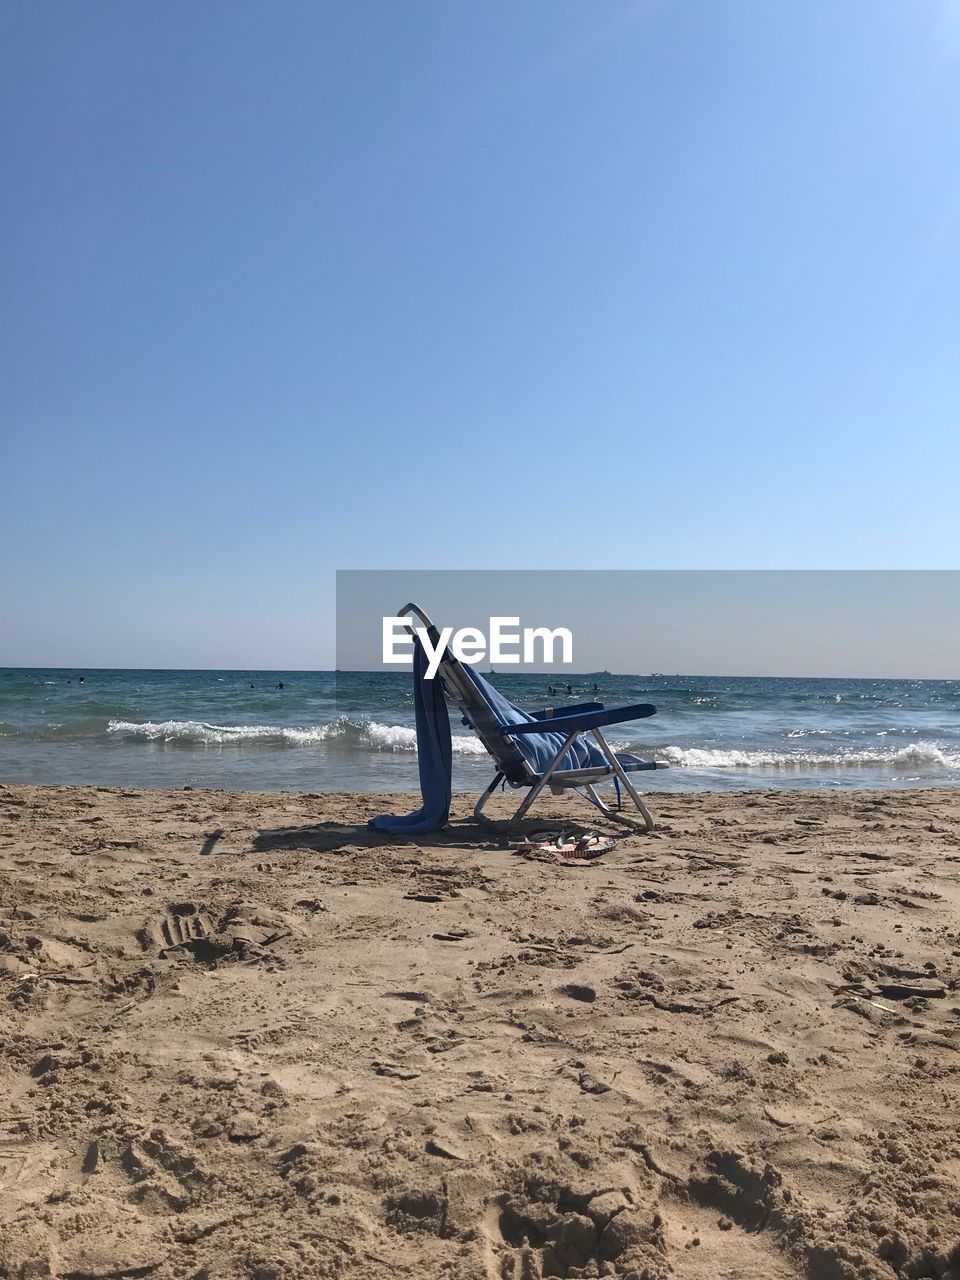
590	845
555	842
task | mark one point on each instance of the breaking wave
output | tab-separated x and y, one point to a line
366	735
370	735
917	756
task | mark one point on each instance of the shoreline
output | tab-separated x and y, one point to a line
245	1037
779	783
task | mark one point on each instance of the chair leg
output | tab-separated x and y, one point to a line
478	807
615	815
648	823
511	823
505	826
526	804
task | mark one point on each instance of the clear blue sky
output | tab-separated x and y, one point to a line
289	287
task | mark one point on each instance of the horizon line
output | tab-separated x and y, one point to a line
636	675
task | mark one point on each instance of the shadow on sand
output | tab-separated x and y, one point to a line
464	833
334	837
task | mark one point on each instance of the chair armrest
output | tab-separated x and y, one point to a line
568	709
581	722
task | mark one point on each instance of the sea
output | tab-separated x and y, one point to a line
327	731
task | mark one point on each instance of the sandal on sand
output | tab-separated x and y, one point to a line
568	844
590	845
541	842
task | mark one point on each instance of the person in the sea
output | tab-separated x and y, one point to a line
551	691
596	688
569	688
279	684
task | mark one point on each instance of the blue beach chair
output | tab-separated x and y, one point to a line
562	748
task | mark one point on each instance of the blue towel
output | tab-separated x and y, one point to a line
539	748
435	756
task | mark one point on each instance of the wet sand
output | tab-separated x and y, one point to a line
241	1035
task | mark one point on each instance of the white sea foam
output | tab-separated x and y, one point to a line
918	755
368	734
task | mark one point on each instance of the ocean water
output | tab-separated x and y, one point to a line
326	732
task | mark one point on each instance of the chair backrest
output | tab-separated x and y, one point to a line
464	691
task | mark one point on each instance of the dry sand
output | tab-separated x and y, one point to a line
243	1036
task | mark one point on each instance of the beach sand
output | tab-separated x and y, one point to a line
244	1036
